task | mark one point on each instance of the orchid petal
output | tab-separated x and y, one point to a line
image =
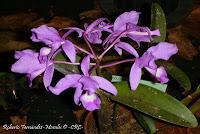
135	76
163	50
89	84
94	37
19	54
127	47
77	95
93	31
27	64
45	34
90	102
73	29
161	75
141	34
48	75
45	51
125	18
85	65
33	75
86	25
146	59
94	24
105	84
69	50
65	83
111	38
152	71
119	50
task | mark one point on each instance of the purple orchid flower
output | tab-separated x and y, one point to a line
28	63
51	37
86	86
126	26
161	51
93	32
128	22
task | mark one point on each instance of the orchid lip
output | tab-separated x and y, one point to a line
45	50
63	42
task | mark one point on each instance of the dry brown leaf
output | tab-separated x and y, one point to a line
36	23
61	22
185	47
14	45
17	22
165	128
91	14
18	120
9	41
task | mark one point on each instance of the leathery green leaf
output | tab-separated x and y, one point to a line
66	69
158	21
155	103
147	122
177	74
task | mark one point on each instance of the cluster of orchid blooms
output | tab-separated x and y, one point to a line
125	26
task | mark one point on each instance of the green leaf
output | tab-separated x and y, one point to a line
178	75
66	69
158	21
60	56
154	103
147	123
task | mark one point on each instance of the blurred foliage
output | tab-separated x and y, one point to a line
158	21
175	10
177	74
35	105
186	49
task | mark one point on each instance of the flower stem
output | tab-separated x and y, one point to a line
88	44
195	107
82	50
113	43
188	99
117	62
56	52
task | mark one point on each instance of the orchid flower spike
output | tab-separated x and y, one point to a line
28	63
161	51
51	37
86	86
